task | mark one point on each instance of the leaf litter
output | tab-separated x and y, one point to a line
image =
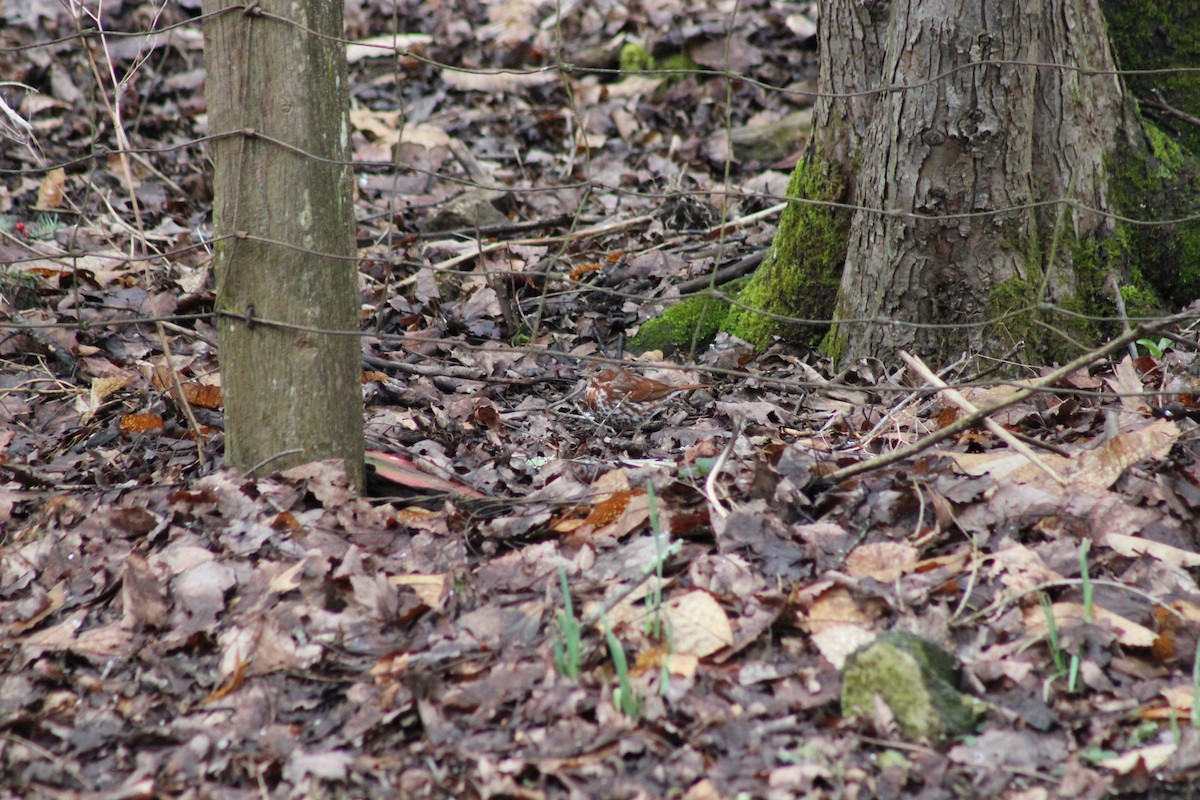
174	628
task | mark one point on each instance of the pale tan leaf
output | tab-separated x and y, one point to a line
510	23
1134	546
883	561
837	642
1145	759
289	579
1128	633
1007	465
87	405
499	82
833	608
429	588
57	637
386	46
699	625
38	608
683	664
1021	569
50	191
1179	698
702	790
955	560
388	128
380	124
428	136
1128	385
1096	470
103	643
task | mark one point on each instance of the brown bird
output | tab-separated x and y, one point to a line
624	399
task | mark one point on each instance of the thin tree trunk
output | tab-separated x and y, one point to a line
291	394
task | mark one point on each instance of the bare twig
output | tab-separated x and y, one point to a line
710	485
1159	102
1119	302
184	405
749	219
737	269
582	233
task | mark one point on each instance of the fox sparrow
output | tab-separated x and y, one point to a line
623	399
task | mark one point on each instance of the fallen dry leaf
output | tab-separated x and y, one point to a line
1128	633
1135	547
698	624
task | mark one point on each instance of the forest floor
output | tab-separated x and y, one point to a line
533	605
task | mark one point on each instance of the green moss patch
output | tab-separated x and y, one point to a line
1160	35
1164	185
696	319
635	58
802	272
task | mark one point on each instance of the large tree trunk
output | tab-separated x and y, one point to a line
284	221
955	161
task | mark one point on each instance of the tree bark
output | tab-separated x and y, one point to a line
278	103
956	154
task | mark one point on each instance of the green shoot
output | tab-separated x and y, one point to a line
1085	579
1155	349
568	644
662	550
1056	652
1196	688
654	596
627	701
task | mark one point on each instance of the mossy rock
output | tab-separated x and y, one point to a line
773	140
635	58
916	679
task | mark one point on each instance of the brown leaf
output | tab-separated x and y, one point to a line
1066	614
143	595
401	471
38	607
50	192
883	561
1128	384
1097	470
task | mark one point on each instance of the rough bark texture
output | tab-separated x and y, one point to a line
955	136
852	48
291	192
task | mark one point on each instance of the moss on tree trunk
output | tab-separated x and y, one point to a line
799	277
956	179
1160	35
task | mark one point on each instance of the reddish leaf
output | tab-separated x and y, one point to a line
401	471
